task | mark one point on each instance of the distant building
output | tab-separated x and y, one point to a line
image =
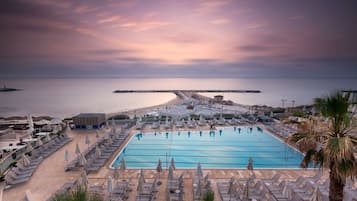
89	120
218	98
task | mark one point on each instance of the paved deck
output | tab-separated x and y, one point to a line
50	174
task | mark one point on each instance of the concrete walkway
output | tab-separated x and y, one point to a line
50	174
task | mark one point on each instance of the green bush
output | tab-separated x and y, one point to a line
78	194
208	196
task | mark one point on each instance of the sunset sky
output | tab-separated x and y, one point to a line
178	38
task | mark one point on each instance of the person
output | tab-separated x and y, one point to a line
250	164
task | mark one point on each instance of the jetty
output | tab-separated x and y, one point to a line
6	89
188	91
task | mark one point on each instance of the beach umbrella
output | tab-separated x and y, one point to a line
231	187
110	184
199	188
78	151
205	179
173	163
97	134
141	181
66	155
171	172
82	160
97	152
84	179
26	161
116	172
142	174
113	123
250	164
110	141
87	140
199	170
48	138
29	147
123	165
159	169
39	142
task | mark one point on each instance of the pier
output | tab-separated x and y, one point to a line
188	91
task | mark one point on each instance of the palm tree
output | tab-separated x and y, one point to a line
332	147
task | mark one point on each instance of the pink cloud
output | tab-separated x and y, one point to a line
109	19
220	21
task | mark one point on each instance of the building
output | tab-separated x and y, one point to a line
89	120
218	98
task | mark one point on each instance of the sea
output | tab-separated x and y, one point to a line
70	96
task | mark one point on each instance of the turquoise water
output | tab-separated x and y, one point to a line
228	147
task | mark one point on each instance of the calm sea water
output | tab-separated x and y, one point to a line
226	148
68	97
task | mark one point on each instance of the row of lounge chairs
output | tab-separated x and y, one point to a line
282	130
28	165
146	191
98	153
194	123
115	191
276	189
174	187
200	187
100	157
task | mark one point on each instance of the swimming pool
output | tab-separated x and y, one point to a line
228	147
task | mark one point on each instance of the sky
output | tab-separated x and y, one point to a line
178	38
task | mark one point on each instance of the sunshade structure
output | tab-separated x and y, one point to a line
87	140
159	169
26	161
82	160
250	164
77	151
116	172
110	184
173	163
29	147
171	173
66	155
199	172
97	152
123	165
141	181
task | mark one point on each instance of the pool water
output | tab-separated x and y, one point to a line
228	147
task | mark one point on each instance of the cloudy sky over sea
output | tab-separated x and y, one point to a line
171	38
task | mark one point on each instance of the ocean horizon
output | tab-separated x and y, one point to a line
66	97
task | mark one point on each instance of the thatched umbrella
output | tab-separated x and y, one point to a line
159	169
78	151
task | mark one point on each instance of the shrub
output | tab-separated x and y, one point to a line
79	194
208	196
